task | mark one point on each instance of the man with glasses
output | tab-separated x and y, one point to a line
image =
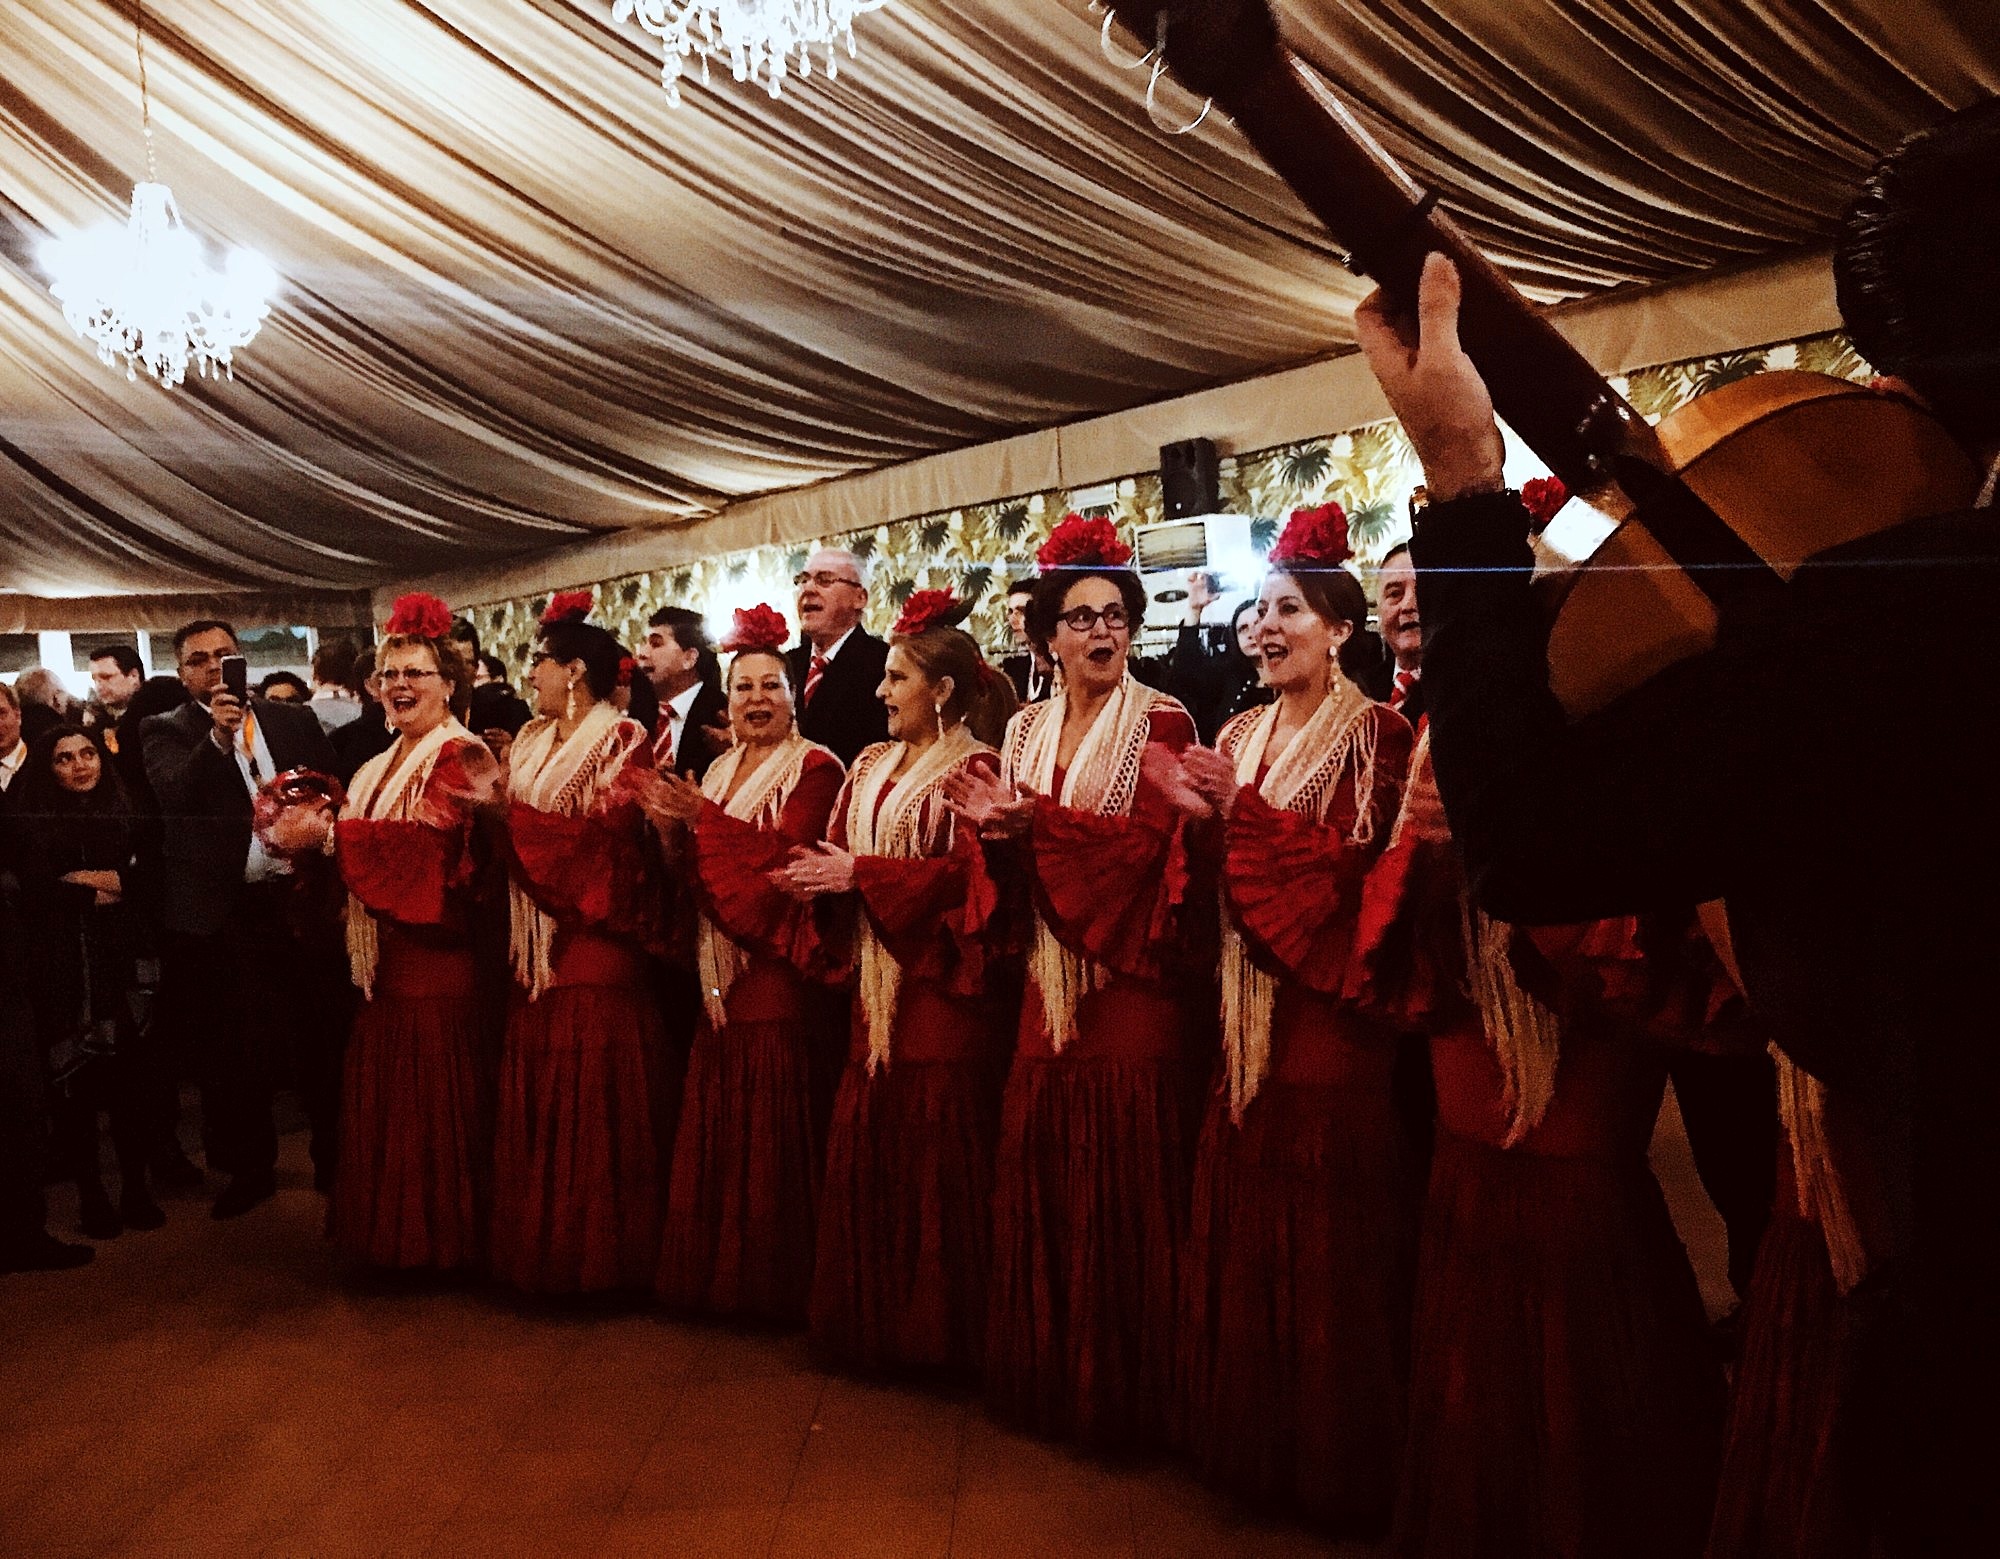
252	988
837	668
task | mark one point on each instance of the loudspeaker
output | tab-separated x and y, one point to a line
1191	478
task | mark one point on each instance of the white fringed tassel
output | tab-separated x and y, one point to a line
1822	1194
1526	1037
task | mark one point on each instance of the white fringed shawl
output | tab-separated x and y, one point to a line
370	799
1339	738
761	801
894	828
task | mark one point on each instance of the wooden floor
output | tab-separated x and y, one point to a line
222	1389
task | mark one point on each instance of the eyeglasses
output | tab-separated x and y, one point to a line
824	579
1082	619
397	674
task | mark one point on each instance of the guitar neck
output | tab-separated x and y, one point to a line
1544	389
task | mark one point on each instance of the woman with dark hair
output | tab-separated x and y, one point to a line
1295	1298
285	687
1217	684
1090	1182
409	1186
744	1188
73	841
579	1146
900	1278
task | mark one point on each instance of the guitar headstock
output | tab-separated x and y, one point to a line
1215	48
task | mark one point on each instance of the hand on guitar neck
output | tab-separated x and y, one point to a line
1433	387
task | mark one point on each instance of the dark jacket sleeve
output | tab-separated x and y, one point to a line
1627	810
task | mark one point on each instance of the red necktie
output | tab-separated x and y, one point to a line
1400	694
663	738
814	673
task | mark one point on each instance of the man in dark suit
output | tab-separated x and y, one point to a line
368	733
255	986
679	662
1842	807
838	667
1402	630
1034	678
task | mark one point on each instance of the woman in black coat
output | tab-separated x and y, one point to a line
73	844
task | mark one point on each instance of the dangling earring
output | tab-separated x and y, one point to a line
569	708
940	721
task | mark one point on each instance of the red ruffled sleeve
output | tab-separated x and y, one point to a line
1295	884
597	870
406	870
933	914
733	861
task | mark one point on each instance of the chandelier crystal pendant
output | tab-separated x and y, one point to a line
144	292
762	39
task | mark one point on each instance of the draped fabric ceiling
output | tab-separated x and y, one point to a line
525	302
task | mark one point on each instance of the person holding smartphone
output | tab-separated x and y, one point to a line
253	984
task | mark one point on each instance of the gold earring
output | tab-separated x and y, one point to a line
569	708
940	719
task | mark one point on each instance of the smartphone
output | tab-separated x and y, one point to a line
236	676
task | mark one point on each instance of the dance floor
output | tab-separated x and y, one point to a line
221	1389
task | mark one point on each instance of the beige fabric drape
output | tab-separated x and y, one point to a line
527	303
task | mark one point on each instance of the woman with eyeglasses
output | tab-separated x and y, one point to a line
1295	1299
410	1181
581	1133
744	1187
900	1276
71	838
1090	1187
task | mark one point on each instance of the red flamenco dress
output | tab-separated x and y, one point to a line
410	1187
1565	1402
579	1146
744	1186
1791	1487
1296	1287
1091	1176
905	1218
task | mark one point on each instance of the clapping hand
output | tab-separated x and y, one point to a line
811	873
478	785
301	828
997	811
1162	770
1213	776
670	800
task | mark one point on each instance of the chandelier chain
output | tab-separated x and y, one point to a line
145	97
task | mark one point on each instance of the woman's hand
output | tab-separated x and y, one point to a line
1162	770
301	829
670	800
1212	776
813	873
997	811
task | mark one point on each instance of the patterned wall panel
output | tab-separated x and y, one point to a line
978	550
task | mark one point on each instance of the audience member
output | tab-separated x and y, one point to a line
489	668
45	702
494	705
72	843
1031	672
13	750
1212	669
285	687
336	697
1402	632
116	675
368	733
249	974
679	662
837	665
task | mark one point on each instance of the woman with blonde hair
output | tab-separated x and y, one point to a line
900	1276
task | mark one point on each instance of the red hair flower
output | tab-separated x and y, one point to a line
930	609
568	606
626	666
1315	537
757	628
419	616
1543	498
1081	543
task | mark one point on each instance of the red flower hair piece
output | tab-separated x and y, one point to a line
626	666
930	609
1315	538
419	616
1081	543
757	628
568	606
1543	498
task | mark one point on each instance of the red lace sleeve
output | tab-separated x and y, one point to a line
1109	885
597	869
733	861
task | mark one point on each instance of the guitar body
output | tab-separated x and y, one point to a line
1793	463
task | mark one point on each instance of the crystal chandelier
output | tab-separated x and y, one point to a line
144	291
761	38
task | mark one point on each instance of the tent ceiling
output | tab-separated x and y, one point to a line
526	302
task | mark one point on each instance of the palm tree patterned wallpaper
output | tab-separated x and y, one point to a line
978	551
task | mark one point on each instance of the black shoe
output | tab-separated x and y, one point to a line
137	1210
243	1193
44	1253
175	1171
100	1218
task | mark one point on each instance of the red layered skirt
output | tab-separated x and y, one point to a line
1089	1216
744	1188
579	1153
1296	1290
1786	1493
410	1188
905	1216
1565	1401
